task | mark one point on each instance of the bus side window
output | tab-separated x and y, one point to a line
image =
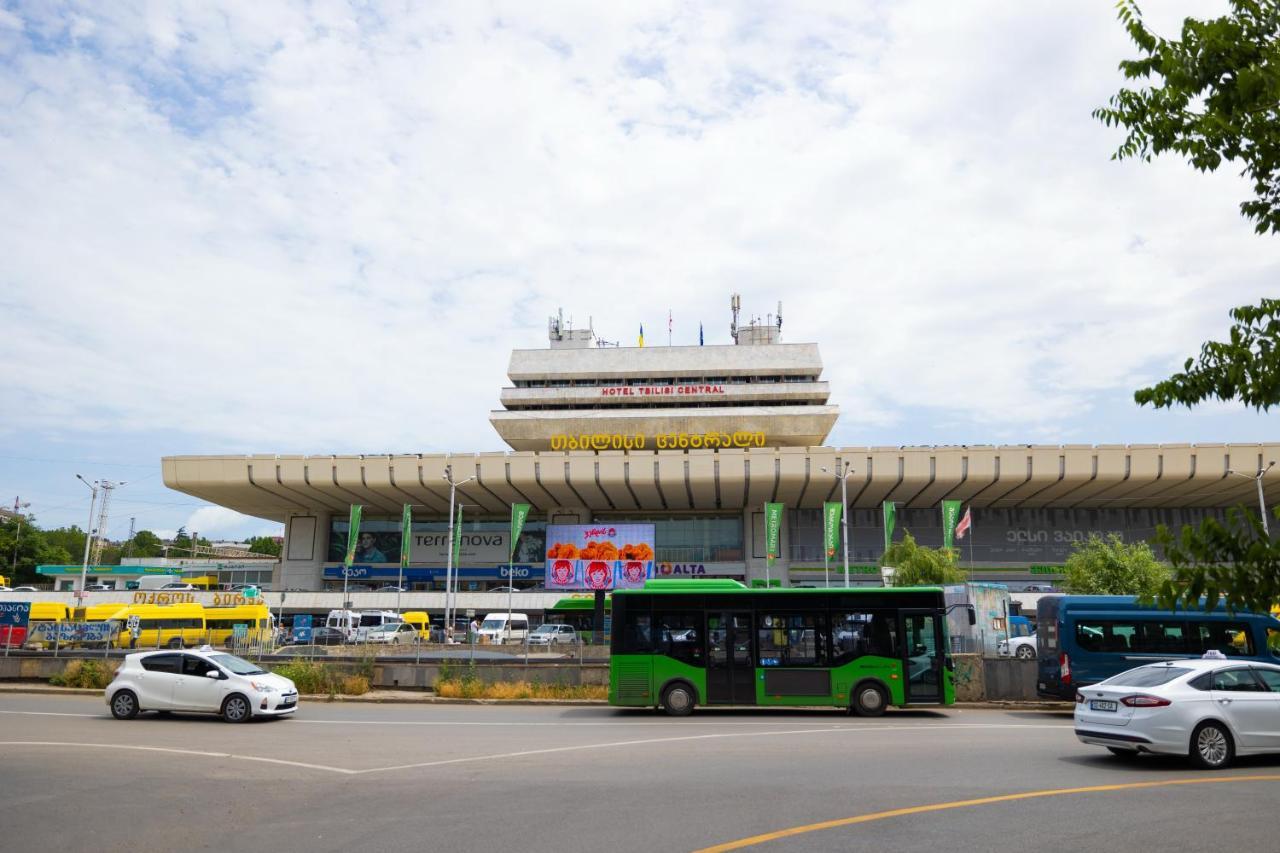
636	638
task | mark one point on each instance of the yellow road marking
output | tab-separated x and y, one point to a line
960	804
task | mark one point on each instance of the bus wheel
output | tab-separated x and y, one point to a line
236	709
677	700
175	643
124	705
870	700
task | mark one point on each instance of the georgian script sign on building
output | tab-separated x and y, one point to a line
662	441
659	390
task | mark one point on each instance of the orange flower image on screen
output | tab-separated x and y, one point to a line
562	550
599	551
641	552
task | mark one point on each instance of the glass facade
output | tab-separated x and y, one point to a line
380	539
692	539
1010	536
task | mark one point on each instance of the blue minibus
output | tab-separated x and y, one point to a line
1084	639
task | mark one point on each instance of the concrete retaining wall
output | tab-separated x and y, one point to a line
968	678
409	675
1010	678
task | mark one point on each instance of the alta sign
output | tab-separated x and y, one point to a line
683	569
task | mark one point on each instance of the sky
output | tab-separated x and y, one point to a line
322	227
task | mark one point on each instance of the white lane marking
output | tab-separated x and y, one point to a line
195	752
648	741
51	714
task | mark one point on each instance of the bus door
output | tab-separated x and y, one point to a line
922	638
730	667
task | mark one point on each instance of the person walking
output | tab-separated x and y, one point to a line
473	630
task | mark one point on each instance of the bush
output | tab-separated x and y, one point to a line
84	673
312	677
459	688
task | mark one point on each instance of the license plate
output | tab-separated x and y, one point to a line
1102	705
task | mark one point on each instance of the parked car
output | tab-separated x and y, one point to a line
1210	710
548	634
505	589
24	589
326	636
99	587
202	680
397	633
1037	587
1022	648
182	586
390	587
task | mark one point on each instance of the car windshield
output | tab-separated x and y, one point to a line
491	624
239	666
1147	676
545	629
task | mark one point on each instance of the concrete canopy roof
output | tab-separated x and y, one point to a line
1032	476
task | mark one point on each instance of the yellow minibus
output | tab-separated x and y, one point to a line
161	625
220	622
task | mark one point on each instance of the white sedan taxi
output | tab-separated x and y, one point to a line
1210	710
199	680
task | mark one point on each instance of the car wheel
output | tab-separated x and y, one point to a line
1211	746
870	700
677	700
1026	653
235	709
124	705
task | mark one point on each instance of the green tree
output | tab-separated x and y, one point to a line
1216	99
917	565
33	548
1246	367
144	544
264	545
1111	567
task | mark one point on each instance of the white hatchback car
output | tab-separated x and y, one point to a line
199	680
1210	710
548	634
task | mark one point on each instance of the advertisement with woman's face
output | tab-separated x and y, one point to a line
598	557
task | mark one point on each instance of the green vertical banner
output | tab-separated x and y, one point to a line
457	541
950	515
772	531
353	535
832	512
890	516
406	535
519	512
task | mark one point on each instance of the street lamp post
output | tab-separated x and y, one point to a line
1257	480
448	572
17	537
843	477
88	535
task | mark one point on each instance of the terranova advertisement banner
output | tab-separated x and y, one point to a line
599	556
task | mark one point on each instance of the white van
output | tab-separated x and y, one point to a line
494	628
154	581
373	619
345	621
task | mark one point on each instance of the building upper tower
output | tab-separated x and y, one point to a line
585	394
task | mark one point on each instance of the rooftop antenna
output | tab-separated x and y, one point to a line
735	305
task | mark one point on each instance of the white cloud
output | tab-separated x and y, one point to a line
215	522
313	228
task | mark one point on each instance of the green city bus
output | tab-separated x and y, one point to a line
680	643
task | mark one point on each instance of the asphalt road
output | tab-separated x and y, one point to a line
512	778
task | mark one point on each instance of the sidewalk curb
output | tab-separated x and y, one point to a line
377	697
